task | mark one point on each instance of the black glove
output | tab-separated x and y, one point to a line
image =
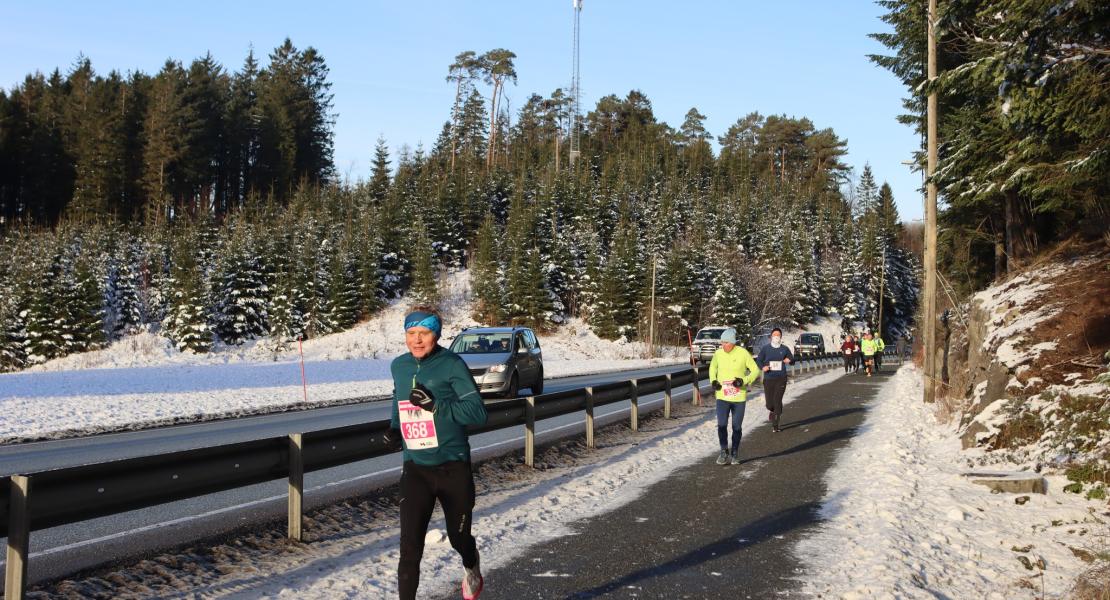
393	440
420	396
716	384
738	382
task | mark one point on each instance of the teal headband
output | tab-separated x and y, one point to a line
423	319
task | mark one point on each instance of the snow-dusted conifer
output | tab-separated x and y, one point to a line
186	321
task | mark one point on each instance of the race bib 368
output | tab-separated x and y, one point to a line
418	426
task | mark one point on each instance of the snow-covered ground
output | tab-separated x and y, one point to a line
903	523
142	381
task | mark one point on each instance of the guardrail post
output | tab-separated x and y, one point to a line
635	398
19	537
530	431
696	388
590	417
667	398
296	486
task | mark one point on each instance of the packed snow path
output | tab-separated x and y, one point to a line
707	531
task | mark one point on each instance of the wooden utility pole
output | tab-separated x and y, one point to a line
882	281
930	313
651	318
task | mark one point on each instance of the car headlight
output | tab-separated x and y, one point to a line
497	369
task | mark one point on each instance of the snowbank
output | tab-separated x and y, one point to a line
1034	369
902	522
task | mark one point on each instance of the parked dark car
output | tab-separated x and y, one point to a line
810	343
502	360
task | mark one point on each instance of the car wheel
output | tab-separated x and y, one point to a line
514	387
537	386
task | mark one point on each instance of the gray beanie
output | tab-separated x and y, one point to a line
729	336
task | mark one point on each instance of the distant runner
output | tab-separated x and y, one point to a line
773	359
847	348
434	399
880	347
857	353
731	371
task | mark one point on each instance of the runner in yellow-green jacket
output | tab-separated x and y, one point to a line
731	371
880	347
869	347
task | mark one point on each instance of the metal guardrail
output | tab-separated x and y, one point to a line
45	499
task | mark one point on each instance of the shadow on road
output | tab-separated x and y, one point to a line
821	440
829	415
754	533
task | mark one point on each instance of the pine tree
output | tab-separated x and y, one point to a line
589	282
240	292
730	308
424	289
85	309
343	287
851	283
12	334
125	311
367	255
379	173
486	276
620	293
285	320
186	321
44	318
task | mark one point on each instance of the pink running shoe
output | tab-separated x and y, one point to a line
472	583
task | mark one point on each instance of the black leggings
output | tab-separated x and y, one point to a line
849	362
773	390
452	483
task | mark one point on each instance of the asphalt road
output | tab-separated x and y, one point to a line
66	549
707	531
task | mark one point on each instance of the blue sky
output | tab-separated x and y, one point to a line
388	59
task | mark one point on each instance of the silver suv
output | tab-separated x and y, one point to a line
706	343
502	360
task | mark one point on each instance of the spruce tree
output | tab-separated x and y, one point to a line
85	309
621	289
379	173
12	334
285	319
730	308
343	287
124	304
367	255
45	316
186	321
486	275
240	291
424	288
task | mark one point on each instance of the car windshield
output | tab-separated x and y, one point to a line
811	338
481	343
710	334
